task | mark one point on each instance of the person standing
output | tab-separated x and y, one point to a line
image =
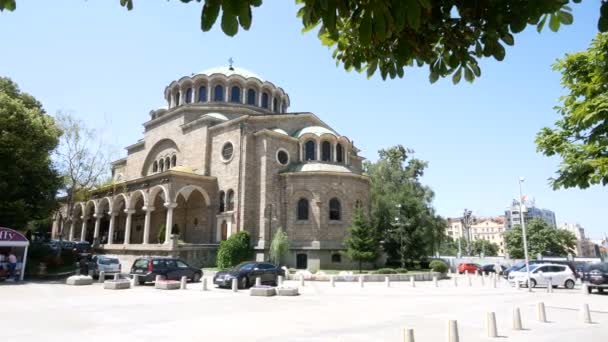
12	266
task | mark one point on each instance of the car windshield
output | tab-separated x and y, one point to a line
244	266
108	261
141	263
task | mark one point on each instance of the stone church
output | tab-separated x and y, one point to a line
226	155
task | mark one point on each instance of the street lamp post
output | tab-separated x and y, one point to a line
397	225
523	231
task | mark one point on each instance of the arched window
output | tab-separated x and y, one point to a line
222	201
310	150
230	200
188	95
167	163
326	151
334	209
176	98
202	94
161	165
155	166
264	100
303	209
339	153
284	109
218	93
251	97
235	94
174	160
275	105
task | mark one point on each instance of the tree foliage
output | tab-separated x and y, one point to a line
234	250
28	180
448	36
542	239
279	246
402	211
580	137
484	247
362	242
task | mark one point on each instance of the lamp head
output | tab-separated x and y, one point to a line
521	179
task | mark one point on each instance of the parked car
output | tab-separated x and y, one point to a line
103	263
169	268
83	249
520	266
596	277
468	267
540	274
246	272
489	268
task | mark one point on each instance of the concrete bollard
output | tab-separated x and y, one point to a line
483	282
184	283
540	312
412	281
102	276
361	281
469	280
586	314
453	331
435	281
204	280
493	282
258	282
517	319
408	335
466	272
491	325
387	281
332	280
91	273
518	285
235	285
302	280
280	280
158	278
135	280
550	286
116	276
585	289
455	281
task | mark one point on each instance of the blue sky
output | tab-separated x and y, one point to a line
110	67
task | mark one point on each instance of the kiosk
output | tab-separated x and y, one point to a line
16	241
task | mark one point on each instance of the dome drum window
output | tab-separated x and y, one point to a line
218	93
189	95
326	151
310	150
251	97
265	100
227	151
282	157
334	210
302	210
202	94
235	94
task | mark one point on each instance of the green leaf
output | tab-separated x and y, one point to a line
519	24
478	49
426	3
468	75
602	24
499	52
230	25
433	77
554	23
371	69
245	17
457	76
209	16
541	24
413	14
232	6
365	29
255	3
475	68
508	39
565	17
379	25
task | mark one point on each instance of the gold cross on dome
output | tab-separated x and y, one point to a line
230	61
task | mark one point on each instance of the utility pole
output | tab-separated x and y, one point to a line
523	231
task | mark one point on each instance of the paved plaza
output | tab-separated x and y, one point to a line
56	312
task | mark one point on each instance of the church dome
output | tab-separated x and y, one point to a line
317	130
229	71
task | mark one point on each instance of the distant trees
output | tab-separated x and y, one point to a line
542	239
484	247
28	179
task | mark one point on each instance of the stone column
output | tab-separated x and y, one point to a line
129	213
334	157
318	156
111	227
97	223
83	231
169	222
148	211
71	235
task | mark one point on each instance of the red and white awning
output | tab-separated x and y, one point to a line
12	238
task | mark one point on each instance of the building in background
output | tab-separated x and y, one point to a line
490	229
531	211
584	247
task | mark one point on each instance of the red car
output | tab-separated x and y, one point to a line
471	268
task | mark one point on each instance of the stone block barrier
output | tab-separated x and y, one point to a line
167	285
262	291
426	276
78	280
287	291
121	284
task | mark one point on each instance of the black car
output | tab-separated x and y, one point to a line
246	272
596	277
169	268
490	269
83	249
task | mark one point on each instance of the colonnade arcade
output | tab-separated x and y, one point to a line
143	217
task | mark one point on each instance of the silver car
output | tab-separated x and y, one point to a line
108	265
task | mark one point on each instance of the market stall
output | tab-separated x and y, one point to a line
12	241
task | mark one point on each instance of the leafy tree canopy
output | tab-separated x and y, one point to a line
580	137
448	36
542	239
28	181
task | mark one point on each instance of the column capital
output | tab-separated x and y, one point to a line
130	211
148	208
113	213
170	205
98	215
82	217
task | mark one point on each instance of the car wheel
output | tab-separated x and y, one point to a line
569	284
599	290
141	281
243	283
532	283
196	277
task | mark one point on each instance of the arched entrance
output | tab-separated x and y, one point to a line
302	261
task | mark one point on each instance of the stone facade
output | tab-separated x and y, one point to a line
226	156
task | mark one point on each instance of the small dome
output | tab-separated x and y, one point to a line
318	130
229	71
278	130
321	167
218	116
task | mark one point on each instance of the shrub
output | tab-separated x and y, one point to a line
401	270
385	271
279	247
234	250
438	266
